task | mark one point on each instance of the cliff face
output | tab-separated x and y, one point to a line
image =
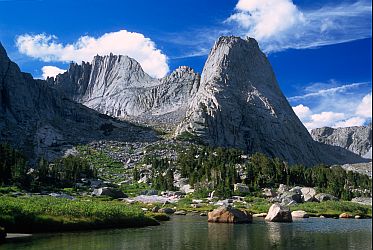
117	86
357	139
239	104
41	122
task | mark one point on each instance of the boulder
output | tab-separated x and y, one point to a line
269	193
166	210
62	195
95	183
203	214
108	191
198	205
279	213
325	197
181	212
291	197
186	189
363	200
296	190
155	209
345	216
357	217
299	214
241	188
308	194
282	188
226	214
149	192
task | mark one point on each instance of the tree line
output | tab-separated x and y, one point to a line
220	168
64	172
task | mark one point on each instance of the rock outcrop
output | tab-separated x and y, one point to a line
357	139
239	104
41	122
226	214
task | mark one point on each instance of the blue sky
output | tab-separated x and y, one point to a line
320	50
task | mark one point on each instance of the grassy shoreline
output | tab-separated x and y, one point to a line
41	214
48	214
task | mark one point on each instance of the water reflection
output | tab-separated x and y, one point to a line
274	233
193	232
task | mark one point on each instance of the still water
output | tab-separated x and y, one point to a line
193	232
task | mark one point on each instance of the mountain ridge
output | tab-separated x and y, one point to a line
43	123
236	102
357	139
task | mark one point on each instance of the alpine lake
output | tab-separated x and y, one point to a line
194	232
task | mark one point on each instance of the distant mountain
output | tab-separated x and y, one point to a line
41	122
235	103
357	139
118	86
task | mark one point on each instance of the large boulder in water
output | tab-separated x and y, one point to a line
279	213
111	192
226	214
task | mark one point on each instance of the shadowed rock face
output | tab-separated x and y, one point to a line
117	86
36	119
357	139
239	104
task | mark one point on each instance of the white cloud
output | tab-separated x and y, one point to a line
266	18
327	91
331	117
326	118
353	121
365	107
135	45
51	71
280	24
302	111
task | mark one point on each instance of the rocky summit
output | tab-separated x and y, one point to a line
357	139
118	86
41	122
239	104
236	102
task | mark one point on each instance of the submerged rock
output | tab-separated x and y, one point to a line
229	215
279	213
